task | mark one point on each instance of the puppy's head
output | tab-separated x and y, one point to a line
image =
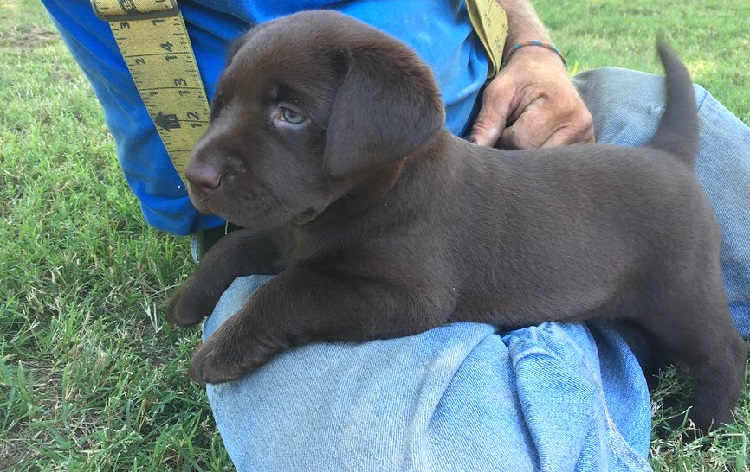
309	106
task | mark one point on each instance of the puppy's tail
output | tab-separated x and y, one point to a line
678	131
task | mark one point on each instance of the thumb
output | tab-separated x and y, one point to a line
491	120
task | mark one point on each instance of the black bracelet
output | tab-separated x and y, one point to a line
540	44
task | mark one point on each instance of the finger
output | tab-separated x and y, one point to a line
567	136
488	127
532	129
540	126
578	133
515	137
491	120
508	139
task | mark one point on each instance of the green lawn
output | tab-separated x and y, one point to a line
711	36
91	378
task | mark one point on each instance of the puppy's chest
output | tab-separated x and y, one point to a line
314	248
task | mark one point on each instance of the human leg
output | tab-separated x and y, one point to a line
460	397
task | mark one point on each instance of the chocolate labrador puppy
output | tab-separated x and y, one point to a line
327	142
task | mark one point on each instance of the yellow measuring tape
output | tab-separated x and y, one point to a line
153	41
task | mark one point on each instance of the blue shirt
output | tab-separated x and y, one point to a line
439	31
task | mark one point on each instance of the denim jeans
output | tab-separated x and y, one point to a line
465	397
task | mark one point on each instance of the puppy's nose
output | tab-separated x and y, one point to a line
204	177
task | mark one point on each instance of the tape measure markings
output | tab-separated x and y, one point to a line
159	56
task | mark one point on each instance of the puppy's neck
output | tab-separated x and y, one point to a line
368	192
379	185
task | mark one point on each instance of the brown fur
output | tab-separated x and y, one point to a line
381	224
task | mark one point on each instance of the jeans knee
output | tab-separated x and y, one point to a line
626	105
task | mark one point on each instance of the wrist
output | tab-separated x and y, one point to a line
536	50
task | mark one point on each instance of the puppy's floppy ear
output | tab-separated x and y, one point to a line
387	106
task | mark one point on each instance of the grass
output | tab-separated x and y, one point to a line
710	36
91	378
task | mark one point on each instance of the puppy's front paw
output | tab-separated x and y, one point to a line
220	360
187	307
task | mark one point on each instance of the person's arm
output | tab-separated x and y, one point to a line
523	23
532	101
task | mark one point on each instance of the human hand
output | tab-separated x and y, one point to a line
532	103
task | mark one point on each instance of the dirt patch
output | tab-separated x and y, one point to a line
27	38
8	462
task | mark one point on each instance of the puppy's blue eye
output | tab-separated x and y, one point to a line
291	116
